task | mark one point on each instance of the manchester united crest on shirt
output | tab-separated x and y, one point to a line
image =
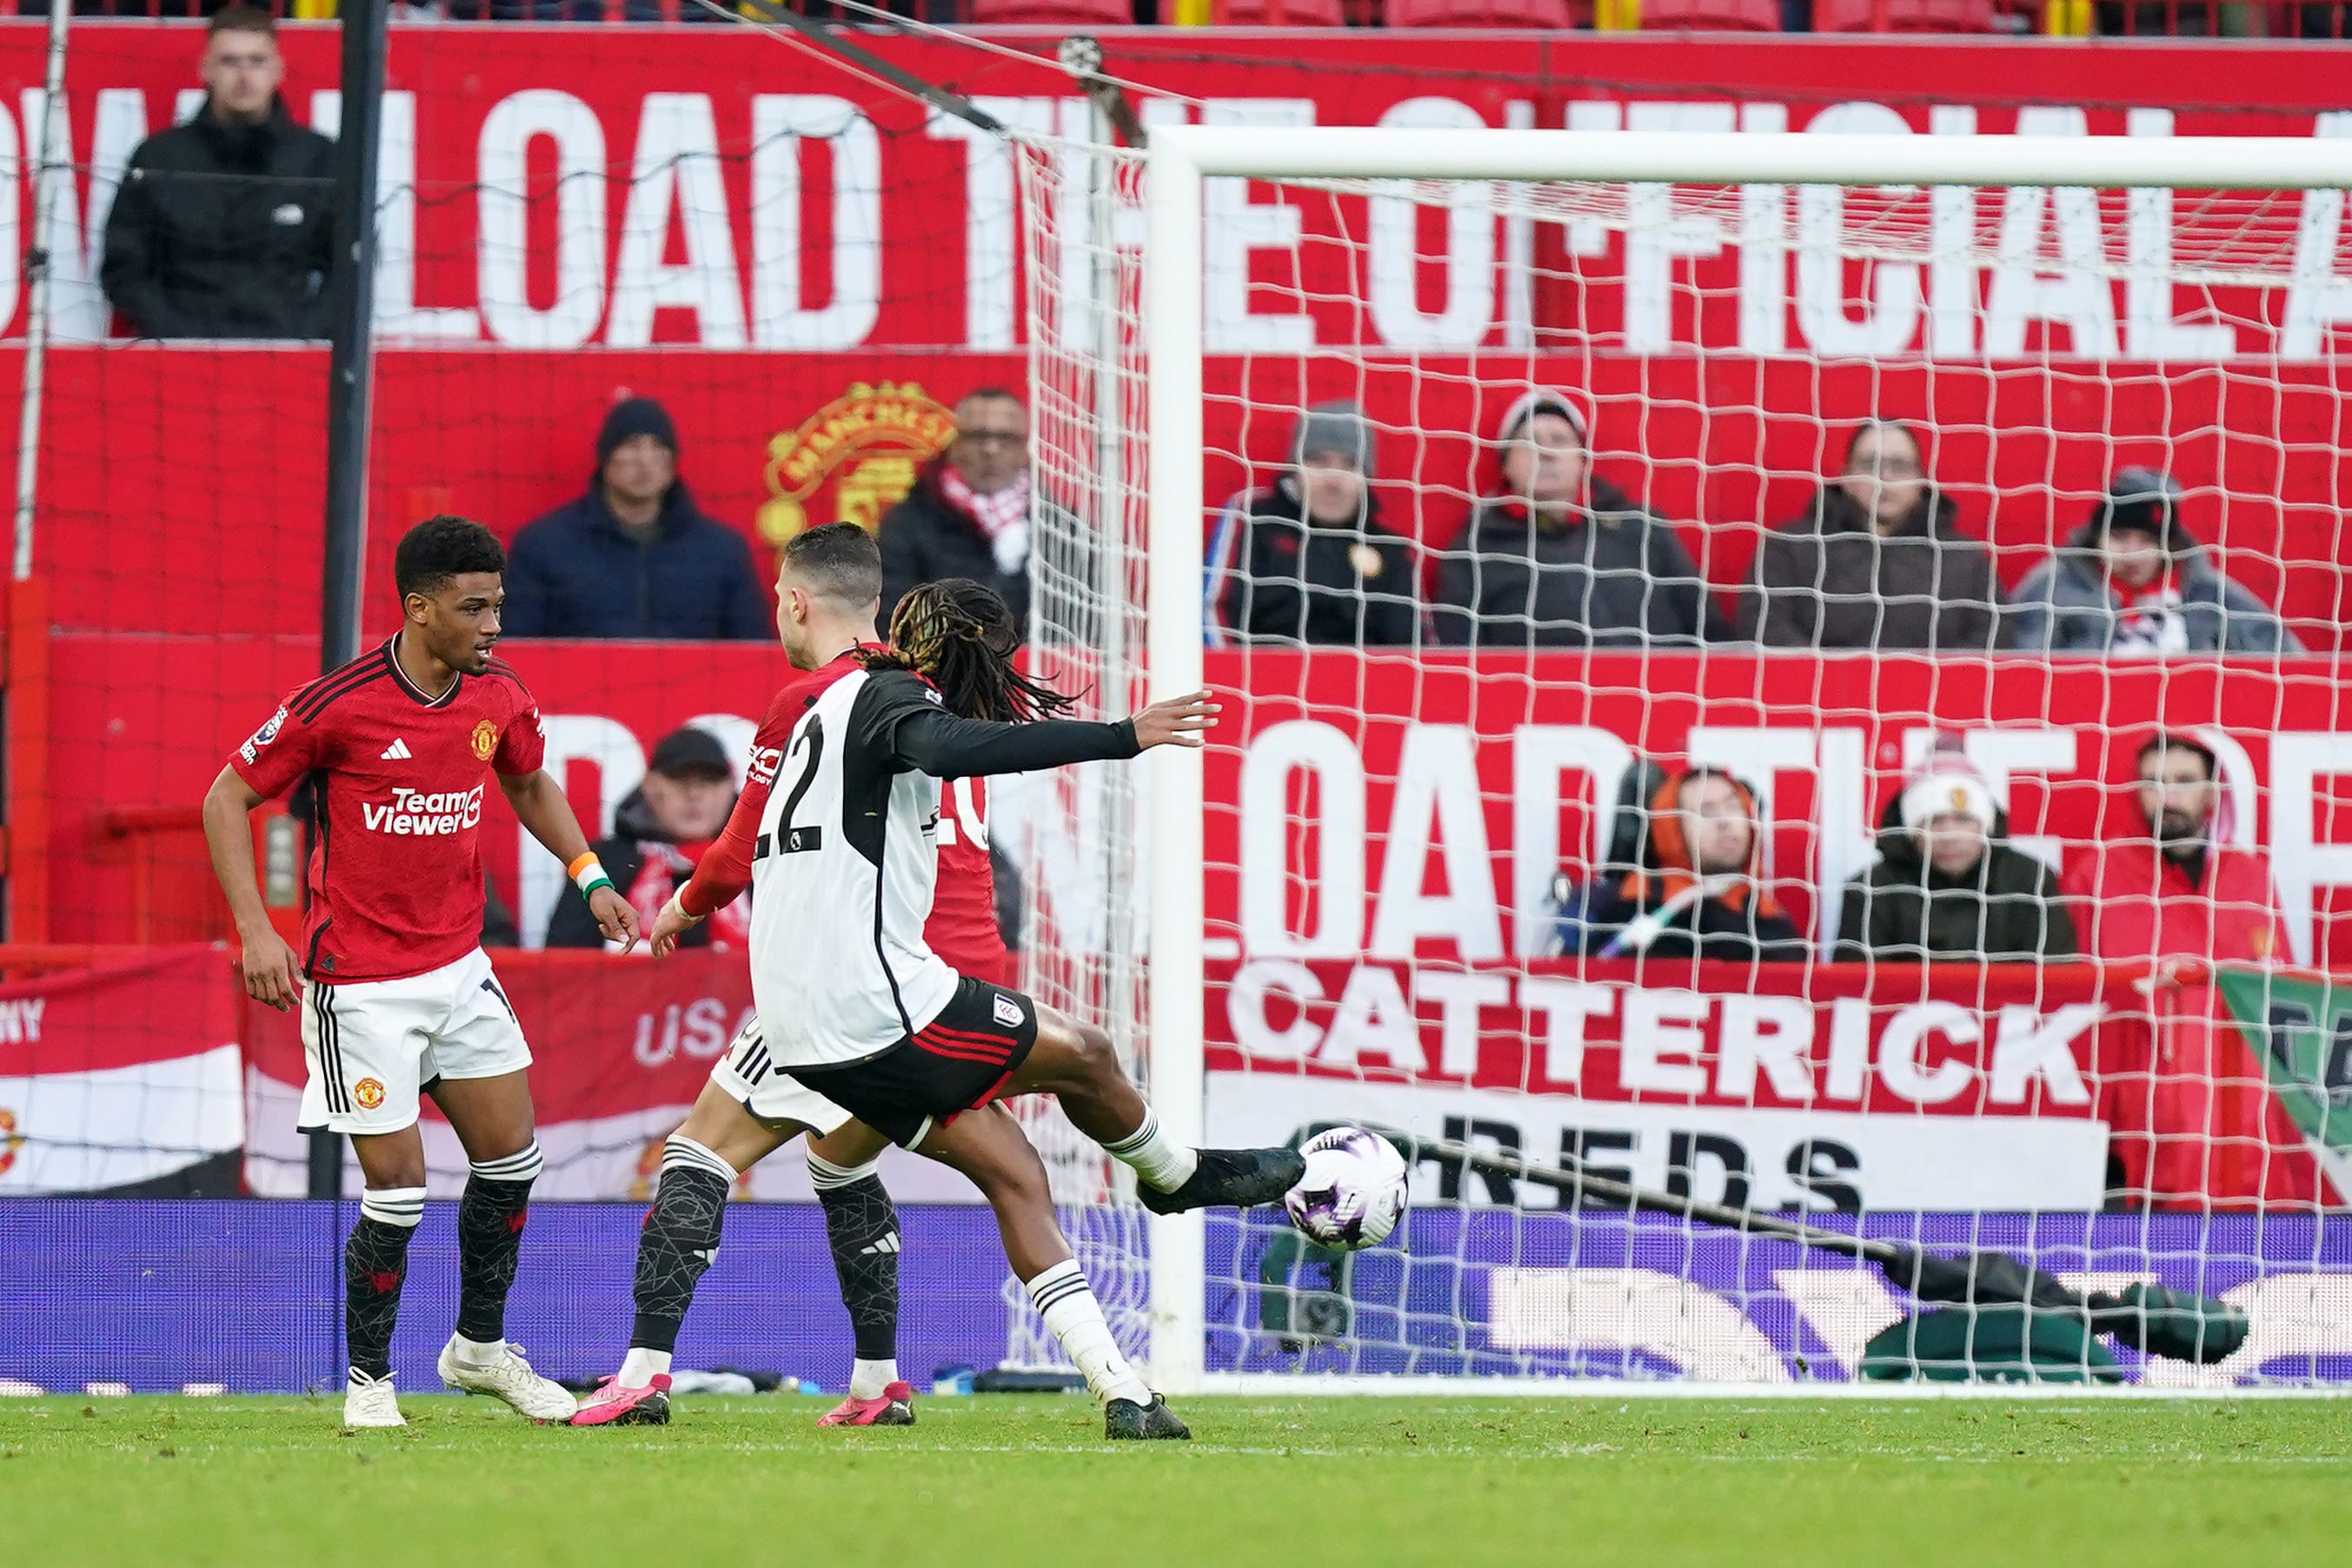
485	740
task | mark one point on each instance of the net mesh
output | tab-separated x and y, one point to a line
1619	596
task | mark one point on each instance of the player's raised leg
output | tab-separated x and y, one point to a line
988	1146
861	1226
492	1119
1075	1063
679	1242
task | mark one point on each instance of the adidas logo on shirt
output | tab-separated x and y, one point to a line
397	751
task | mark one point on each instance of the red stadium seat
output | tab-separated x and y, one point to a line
1711	15
1483	13
1279	13
1050	13
1905	16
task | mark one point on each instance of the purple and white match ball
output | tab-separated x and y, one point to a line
1353	1193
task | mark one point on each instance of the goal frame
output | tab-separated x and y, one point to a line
1179	159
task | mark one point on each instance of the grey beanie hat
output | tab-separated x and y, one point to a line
1337	426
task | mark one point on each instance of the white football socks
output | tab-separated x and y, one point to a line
867	1378
473	1353
1064	1299
1161	1162
639	1369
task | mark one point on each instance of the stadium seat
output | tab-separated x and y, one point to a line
1050	13
1279	13
1482	13
1711	15
1905	16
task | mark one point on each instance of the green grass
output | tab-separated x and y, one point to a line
1328	1483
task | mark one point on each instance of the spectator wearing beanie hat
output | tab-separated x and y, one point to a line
1949	887
634	557
2132	583
1556	556
1306	560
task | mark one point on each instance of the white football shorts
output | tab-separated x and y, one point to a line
746	1073
371	1045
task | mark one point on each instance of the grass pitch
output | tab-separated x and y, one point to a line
1364	1483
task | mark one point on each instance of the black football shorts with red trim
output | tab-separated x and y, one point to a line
957	1062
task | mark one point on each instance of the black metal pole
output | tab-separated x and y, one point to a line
351	363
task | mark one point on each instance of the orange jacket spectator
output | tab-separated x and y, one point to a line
2195	1121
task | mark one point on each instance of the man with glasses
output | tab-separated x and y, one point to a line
969	513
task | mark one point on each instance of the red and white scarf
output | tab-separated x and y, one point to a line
2149	620
1003	515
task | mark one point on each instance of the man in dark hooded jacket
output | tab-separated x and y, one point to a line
1558	557
1947	887
222	228
1876	563
1306	560
635	557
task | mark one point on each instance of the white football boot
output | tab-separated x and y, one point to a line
369	1402
509	1378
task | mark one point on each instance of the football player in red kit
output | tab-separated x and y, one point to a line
398	999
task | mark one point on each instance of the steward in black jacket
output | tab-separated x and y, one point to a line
222	230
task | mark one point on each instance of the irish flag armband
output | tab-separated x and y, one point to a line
588	874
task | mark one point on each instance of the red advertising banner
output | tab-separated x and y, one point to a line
565	216
1453	789
1418	807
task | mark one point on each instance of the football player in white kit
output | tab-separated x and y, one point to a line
852	1002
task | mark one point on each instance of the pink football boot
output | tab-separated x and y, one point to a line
895	1408
612	1406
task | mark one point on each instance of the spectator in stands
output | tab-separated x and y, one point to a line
660	833
969	513
222	227
1307	560
635	557
1876	562
1698	890
2171	885
1947	887
1556	556
2133	582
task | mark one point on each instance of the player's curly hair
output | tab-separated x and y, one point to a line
441	548
959	635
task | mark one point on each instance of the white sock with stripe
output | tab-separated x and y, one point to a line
1159	1162
1068	1303
867	1378
401	1206
640	1367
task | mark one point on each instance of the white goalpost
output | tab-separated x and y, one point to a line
1350	907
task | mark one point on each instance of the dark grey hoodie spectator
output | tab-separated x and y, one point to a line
1556	556
2133	582
1306	560
635	557
1877	562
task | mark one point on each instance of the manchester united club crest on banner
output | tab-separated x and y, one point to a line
851	461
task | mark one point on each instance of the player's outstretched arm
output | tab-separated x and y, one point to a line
930	740
271	972
538	804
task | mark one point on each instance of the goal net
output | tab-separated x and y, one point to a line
1796	672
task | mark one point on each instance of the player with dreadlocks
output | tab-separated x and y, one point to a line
859	1018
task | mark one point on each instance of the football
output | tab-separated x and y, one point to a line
1353	1193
